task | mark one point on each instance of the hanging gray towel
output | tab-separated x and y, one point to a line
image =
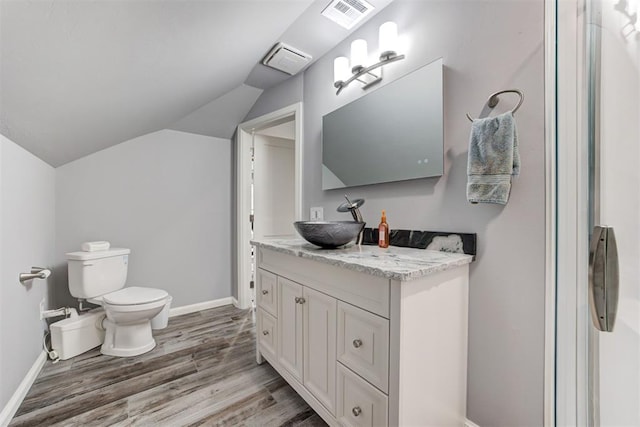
493	159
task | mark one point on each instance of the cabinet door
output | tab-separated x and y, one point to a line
290	327
320	346
267	290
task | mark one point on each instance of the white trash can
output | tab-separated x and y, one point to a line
161	320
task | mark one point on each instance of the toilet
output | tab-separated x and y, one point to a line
99	277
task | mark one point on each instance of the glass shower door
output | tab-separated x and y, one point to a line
613	62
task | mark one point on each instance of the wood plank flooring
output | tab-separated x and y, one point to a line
202	373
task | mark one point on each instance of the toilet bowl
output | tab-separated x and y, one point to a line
99	277
128	324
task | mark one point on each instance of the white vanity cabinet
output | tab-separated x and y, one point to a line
363	344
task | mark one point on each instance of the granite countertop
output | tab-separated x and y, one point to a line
392	263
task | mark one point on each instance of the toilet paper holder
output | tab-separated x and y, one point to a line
36	273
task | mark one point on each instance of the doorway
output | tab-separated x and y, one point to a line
268	187
598	185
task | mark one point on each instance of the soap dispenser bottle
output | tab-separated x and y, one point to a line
383	231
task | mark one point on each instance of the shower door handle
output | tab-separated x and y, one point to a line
604	278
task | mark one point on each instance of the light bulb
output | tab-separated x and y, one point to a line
341	71
358	55
388	39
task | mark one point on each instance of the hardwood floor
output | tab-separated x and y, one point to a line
202	373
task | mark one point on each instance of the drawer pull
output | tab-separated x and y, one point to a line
264	292
357	343
265	332
356	411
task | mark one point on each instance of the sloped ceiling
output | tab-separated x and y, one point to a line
78	76
221	116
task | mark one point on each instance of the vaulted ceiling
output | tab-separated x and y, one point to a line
78	76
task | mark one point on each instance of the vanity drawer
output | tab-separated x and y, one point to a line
266	292
267	332
363	344
359	403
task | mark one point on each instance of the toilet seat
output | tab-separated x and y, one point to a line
135	295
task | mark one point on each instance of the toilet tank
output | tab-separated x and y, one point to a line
92	274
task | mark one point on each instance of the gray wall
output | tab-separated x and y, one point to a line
486	46
286	93
27	189
166	196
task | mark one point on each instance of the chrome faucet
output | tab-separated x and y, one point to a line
353	207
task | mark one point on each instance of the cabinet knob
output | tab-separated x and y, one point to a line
265	332
297	299
300	300
356	411
264	292
357	343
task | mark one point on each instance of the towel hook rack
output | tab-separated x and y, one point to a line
493	100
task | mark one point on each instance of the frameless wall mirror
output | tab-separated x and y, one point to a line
392	134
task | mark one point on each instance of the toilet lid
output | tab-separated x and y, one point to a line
134	295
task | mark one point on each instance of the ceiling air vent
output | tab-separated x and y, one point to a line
286	59
347	13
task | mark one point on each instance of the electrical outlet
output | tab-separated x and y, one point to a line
41	309
316	214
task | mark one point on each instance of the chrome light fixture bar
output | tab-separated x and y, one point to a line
366	75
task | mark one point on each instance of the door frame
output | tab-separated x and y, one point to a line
551	209
572	332
244	141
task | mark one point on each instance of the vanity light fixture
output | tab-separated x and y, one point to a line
343	75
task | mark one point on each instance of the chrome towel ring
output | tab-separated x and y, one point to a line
493	100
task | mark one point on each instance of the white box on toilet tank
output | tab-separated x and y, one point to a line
76	335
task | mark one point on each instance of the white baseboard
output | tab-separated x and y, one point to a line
469	423
234	301
192	308
14	403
